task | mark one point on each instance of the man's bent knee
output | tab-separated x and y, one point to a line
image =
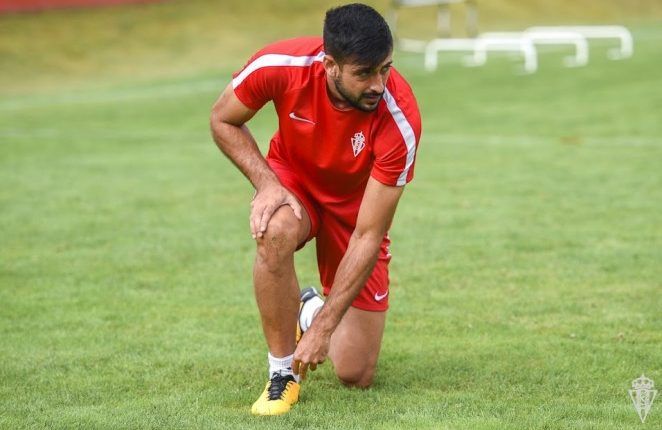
279	241
359	378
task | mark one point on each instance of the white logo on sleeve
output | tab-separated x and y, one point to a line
298	118
358	143
380	297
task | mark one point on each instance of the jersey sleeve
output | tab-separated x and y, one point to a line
396	140
259	81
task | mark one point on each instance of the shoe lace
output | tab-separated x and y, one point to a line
278	385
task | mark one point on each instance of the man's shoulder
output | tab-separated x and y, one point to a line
398	86
400	105
296	47
281	66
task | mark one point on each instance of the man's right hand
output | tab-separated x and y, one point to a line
266	201
227	122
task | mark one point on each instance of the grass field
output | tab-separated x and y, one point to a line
526	279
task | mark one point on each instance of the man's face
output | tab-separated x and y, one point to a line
363	87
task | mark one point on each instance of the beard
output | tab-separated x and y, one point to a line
356	102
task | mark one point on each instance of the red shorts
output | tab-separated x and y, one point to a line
332	236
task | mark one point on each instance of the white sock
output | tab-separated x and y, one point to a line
308	312
281	365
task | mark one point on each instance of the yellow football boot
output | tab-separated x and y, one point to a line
278	396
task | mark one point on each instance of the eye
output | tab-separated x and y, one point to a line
362	75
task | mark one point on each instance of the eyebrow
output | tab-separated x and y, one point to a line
370	69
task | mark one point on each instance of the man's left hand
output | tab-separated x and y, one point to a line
311	351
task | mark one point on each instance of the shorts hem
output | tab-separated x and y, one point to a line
361	305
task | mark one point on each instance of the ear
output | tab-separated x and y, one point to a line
331	66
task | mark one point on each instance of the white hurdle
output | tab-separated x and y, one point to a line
523	42
562	37
619	32
504	42
411	45
433	47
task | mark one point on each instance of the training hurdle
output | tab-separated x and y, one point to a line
504	42
561	37
479	47
433	47
626	48
523	42
520	42
411	45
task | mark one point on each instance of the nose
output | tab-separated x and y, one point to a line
377	84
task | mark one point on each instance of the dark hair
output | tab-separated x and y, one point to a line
357	33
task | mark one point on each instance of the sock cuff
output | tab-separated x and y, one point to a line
280	362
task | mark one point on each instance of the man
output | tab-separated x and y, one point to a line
345	147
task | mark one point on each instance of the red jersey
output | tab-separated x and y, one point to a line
334	150
325	155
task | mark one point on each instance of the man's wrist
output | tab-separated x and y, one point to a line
266	180
324	323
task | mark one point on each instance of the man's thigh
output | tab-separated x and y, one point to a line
290	180
355	346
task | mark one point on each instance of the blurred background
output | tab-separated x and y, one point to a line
526	278
171	38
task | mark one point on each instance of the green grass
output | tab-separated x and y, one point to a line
526	274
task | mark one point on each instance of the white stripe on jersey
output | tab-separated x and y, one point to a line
270	60
407	134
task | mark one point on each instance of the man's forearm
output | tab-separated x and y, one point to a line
237	143
352	274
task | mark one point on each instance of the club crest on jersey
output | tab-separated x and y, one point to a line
358	143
